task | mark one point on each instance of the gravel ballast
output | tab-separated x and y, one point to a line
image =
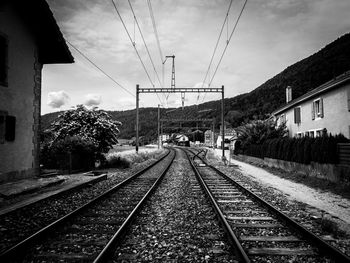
23	222
312	218
177	224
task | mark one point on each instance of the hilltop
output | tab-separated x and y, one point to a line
303	76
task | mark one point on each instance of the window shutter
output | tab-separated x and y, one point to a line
3	60
297	118
10	128
349	99
313	110
2	128
321	108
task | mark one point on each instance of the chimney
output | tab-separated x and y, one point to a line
288	94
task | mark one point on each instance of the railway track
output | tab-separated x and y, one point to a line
257	231
91	232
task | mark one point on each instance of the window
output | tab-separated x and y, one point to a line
7	127
2	126
312	134
10	129
307	134
297	115
318	133
317	109
3	60
348	91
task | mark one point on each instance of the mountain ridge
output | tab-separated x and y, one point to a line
303	76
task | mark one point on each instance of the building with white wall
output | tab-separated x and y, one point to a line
325	109
29	38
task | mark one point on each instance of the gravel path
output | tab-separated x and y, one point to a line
176	225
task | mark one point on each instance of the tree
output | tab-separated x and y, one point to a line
93	125
258	131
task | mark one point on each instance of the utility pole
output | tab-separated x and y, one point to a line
137	118
223	123
172	71
159	139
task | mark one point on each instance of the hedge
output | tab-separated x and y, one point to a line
301	150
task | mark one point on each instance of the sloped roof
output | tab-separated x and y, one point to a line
41	22
334	83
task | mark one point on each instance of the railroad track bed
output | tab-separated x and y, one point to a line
88	233
23	222
261	233
313	219
176	225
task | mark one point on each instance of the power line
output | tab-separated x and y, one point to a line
134	45
100	69
216	46
144	42
155	29
158	42
227	43
217	42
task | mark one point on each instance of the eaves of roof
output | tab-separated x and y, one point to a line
41	22
334	83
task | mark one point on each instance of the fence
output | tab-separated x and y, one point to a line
344	153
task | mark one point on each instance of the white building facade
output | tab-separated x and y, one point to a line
325	109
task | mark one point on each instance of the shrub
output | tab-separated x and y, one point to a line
78	152
116	161
300	150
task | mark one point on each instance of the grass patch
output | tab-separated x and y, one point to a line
126	159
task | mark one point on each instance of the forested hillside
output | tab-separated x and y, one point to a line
303	76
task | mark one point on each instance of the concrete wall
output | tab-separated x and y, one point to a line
336	115
21	98
330	172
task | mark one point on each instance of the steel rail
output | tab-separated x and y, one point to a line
16	251
118	236
236	245
324	247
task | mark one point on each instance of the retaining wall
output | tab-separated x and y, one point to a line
330	172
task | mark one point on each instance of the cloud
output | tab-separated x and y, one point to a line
57	99
92	99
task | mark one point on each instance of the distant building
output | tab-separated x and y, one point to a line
29	38
325	109
164	137
230	134
182	140
209	138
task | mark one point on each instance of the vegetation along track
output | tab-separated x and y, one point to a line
257	231
93	228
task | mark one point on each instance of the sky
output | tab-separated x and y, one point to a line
270	36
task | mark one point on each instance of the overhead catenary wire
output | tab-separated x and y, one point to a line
134	46
144	42
216	45
227	43
155	29
99	68
158	41
217	42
